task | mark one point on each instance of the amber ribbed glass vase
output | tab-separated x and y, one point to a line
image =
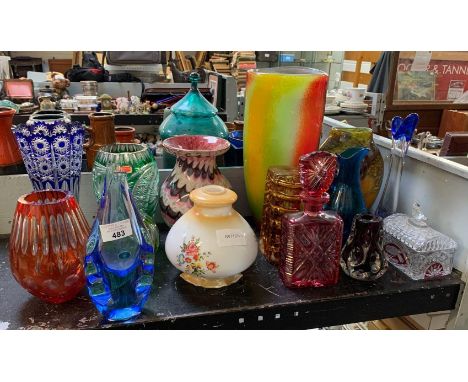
48	244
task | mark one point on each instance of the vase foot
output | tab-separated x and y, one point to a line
123	314
210	283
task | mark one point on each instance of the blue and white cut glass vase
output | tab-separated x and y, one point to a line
52	151
119	262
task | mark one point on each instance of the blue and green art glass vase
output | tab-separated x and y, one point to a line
119	262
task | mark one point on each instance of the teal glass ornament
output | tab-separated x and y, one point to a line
346	197
192	115
119	262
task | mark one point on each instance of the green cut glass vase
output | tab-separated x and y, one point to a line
138	162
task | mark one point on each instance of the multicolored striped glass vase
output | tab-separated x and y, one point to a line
283	120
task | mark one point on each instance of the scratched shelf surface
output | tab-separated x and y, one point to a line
258	301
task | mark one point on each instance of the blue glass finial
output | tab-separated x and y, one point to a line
404	127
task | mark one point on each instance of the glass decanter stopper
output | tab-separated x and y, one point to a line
311	240
119	262
402	131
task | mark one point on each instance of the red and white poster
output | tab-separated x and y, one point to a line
451	77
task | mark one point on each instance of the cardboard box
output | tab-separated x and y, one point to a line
453	120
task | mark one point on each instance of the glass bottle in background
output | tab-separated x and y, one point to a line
311	240
402	131
119	263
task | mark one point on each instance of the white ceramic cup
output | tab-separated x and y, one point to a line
356	95
330	100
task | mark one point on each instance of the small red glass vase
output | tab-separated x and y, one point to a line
48	245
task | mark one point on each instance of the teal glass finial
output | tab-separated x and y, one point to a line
194	79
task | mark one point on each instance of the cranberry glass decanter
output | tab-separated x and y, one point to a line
311	240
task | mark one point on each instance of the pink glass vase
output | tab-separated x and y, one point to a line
195	167
47	245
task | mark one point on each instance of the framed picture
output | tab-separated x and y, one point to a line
415	86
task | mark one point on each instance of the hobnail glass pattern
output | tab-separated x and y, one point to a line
282	194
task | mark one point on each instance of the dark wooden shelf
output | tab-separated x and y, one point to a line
120	119
258	301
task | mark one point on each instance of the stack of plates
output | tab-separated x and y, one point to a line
354	107
332	109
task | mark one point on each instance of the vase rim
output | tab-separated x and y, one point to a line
55	113
45	197
367	218
196	145
213	196
124	128
101	115
48	118
6	111
140	148
289	70
354	152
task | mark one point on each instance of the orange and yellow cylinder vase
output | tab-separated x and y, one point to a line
283	120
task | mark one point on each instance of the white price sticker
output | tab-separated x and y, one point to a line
230	237
116	231
421	61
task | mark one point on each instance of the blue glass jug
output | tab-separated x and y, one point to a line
346	196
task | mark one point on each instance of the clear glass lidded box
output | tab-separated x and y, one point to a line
416	249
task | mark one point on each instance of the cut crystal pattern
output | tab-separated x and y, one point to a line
416	249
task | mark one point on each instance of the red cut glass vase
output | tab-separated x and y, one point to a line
48	245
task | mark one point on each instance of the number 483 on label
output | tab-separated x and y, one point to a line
116	230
